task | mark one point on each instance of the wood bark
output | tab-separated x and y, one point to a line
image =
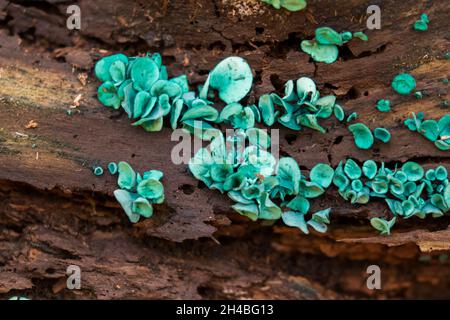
54	212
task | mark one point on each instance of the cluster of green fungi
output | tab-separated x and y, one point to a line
324	47
363	136
232	78
436	131
291	5
261	187
137	192
300	106
403	84
403	189
253	179
140	85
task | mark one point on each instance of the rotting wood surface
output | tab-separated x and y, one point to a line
54	212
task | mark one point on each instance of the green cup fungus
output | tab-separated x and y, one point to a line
244	181
382	134
441	173
430	175
324	47
326	35
322	174
255	182
320	52
347	179
357	185
112	168
295	219
108	95
352	170
264	189
383	105
424	17
232	78
362	135
98	171
300	106
409	191
435	131
422	23
138	192
259	186
360	35
140	86
370	169
145	93
404	83
418	95
238	116
352	116
144	74
382	225
339	112
267	109
291	5
413	171
319	220
109	67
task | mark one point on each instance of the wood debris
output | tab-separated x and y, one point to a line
82	77
76	101
32	124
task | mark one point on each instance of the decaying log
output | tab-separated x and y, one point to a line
54	212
